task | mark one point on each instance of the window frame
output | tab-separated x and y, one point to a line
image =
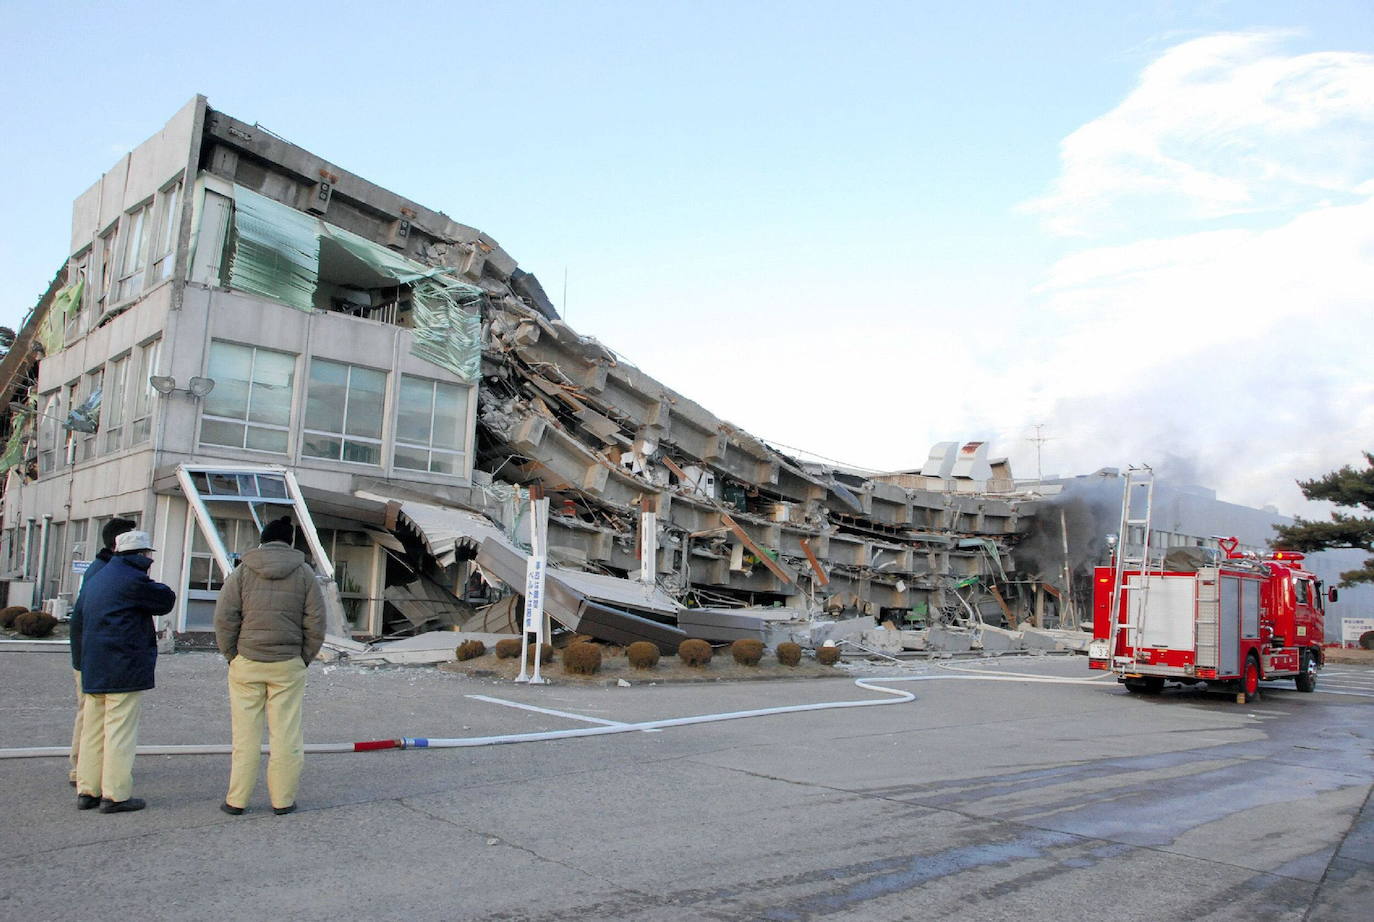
133	254
112	409
344	437
141	417
246	421
161	265
399	442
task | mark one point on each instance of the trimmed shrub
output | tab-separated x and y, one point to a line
582	659
7	615
545	654
508	648
642	654
747	651
827	656
35	624
789	654
581	638
470	649
694	652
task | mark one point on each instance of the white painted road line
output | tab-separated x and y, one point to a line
550	711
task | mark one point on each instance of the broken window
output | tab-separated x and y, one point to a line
354	557
288	256
250	406
431	426
49	432
142	415
112	421
107	268
237	535
90	418
75	308
135	254
74	397
343	413
164	249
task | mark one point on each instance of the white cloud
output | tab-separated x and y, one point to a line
1246	353
1219	126
1238	353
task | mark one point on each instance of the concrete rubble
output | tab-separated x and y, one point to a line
666	520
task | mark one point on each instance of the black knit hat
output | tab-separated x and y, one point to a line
113	529
279	530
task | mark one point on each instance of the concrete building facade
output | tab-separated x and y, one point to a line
243	328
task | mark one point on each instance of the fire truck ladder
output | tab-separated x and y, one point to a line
1136	500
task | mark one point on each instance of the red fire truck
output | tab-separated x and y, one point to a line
1234	622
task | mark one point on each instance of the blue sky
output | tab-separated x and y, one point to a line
855	229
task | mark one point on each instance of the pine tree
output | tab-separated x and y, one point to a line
1348	488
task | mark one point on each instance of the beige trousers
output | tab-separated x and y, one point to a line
109	738
76	726
278	689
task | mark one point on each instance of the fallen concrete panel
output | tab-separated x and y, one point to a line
615	625
561	603
913	640
1000	640
444	530
433	647
948	640
882	640
717	624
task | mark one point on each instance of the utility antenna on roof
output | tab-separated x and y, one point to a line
1039	440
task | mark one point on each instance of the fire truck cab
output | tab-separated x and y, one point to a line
1235	622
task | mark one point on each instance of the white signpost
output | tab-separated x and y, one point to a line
534	590
1352	628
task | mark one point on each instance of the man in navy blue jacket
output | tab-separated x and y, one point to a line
112	530
118	656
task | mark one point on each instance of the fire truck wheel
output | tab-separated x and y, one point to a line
1306	679
1249	683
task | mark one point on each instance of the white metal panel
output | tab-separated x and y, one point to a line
1229	625
1249	608
1160	609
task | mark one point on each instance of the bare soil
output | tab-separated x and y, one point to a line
670	669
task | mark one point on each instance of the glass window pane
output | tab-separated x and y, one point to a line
322	446
412	458
270	398
266	439
271	485
324	409
362	452
450	415
214	432
413	417
200	572
224	485
366	392
230	366
443	463
113	404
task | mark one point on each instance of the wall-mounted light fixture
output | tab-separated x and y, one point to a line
196	388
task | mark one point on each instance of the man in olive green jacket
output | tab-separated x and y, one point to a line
269	624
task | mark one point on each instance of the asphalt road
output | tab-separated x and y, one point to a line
978	800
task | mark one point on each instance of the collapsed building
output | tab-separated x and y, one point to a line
243	328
